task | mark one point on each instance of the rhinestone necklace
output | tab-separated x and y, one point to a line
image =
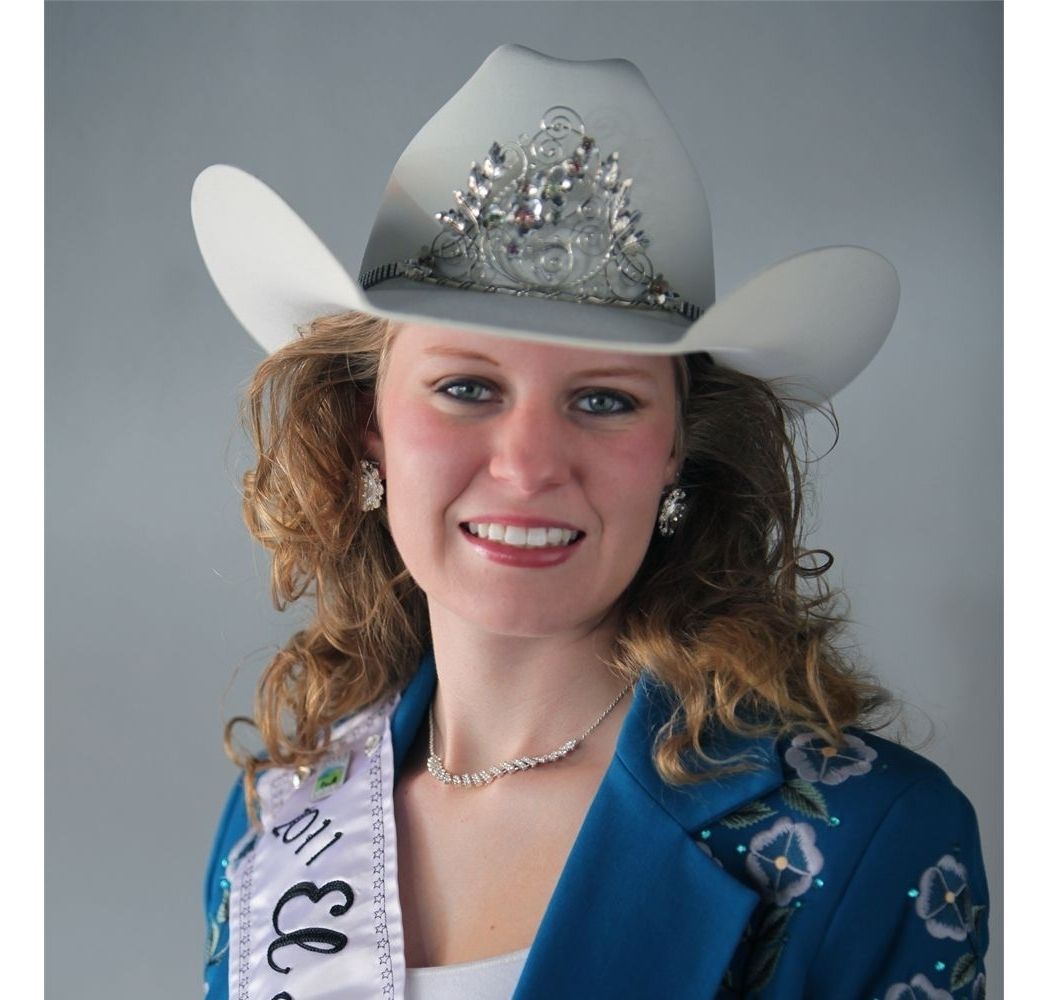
474	779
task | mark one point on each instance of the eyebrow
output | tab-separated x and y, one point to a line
617	372
458	352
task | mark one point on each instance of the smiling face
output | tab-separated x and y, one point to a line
523	479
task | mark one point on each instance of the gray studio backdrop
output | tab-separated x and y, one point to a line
870	123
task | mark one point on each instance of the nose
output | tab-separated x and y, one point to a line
530	449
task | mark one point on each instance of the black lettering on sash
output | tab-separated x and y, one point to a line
292	830
322	940
315	857
285	831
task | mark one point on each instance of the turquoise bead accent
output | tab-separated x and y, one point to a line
913	893
225	884
818	882
834	821
741	849
939	966
797	904
223	862
705	834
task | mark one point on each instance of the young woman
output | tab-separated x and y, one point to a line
568	719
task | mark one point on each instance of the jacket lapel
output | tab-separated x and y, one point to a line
638	904
411	710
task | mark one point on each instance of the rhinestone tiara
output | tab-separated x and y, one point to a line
549	217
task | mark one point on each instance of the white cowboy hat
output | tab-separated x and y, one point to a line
550	200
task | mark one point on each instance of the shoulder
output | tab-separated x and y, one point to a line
236	836
861	780
847	800
866	854
233	836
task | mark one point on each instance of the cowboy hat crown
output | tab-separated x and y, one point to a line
552	200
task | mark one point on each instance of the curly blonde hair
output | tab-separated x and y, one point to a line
730	613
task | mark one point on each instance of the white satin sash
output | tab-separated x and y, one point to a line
314	910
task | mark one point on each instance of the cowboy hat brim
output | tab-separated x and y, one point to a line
814	320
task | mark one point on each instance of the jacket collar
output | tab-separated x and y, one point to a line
638	904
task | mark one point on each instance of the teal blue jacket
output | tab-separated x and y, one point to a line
832	874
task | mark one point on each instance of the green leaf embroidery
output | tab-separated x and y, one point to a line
768	948
976	917
753	812
214	940
774	924
963	971
806	798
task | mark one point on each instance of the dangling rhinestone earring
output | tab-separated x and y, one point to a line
673	510
371	486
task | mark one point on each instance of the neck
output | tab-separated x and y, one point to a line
500	697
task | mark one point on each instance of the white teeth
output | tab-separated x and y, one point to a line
529	538
515	535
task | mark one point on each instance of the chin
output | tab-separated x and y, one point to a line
527	619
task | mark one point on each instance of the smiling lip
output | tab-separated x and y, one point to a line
542	557
520	521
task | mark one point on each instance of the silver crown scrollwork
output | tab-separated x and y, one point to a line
547	216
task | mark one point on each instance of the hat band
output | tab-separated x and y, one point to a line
413	271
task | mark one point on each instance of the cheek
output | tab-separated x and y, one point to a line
409	434
639	465
425	460
406	428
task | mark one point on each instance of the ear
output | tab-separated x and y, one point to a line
372	439
671	471
374	446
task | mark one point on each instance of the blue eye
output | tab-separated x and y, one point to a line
466	391
603	402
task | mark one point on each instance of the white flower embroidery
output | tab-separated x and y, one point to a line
784	859
919	988
944	902
816	760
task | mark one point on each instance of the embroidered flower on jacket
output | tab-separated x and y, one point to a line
817	760
919	988
784	859
944	902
